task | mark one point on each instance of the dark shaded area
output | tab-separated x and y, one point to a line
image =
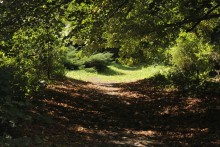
132	114
110	72
123	67
114	51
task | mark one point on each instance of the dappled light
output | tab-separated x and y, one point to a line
109	73
128	114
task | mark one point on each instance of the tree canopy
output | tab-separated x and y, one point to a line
35	36
139	27
33	32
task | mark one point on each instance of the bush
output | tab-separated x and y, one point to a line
191	55
71	59
38	55
10	107
160	79
98	61
5	75
182	81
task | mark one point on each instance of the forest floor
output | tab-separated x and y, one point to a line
122	114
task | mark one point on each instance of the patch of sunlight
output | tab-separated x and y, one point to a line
117	73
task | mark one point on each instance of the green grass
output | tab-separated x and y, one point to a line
117	73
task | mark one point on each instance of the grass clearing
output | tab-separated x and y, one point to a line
117	73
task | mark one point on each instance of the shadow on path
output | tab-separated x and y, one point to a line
129	114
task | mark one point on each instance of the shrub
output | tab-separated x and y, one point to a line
160	79
191	55
99	61
71	59
182	81
5	75
38	55
10	107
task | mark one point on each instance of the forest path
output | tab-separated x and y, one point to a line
122	114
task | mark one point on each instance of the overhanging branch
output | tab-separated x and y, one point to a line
187	21
204	17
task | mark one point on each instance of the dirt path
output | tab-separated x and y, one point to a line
133	114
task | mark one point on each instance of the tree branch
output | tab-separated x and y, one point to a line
187	21
203	18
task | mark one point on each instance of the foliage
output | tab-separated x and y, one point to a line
38	54
5	74
11	109
191	55
99	61
75	60
142	30
160	79
72	59
30	51
34	35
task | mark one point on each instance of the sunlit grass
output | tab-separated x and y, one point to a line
117	73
